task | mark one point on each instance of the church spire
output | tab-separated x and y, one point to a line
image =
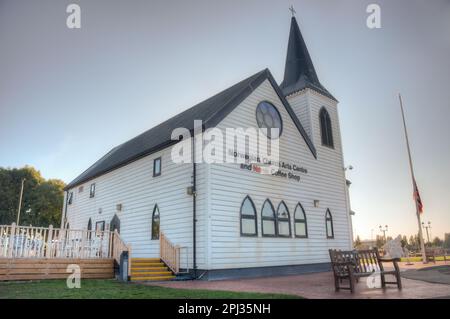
299	72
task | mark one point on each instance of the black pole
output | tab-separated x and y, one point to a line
65	211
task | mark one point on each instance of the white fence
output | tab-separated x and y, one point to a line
41	242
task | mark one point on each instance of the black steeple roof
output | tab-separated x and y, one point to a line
299	72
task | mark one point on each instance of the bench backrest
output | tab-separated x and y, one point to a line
364	261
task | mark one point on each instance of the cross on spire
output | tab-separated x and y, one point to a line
291	8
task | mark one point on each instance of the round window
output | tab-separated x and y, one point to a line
267	117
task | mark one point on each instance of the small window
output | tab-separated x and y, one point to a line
329	224
268	219
100	226
326	130
69	201
283	220
157	167
92	190
301	228
155	223
248	218
80	189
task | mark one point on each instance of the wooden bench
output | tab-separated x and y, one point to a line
354	264
432	253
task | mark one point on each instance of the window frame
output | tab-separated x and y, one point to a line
288	219
329	217
255	217
155	236
274	219
89	228
160	166
326	128
299	220
92	190
268	134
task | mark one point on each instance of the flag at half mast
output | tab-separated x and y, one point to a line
417	198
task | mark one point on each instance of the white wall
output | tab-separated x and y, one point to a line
138	191
324	181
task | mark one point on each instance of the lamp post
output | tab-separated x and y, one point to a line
384	230
20	201
427	227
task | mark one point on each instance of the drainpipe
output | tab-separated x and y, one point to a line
194	210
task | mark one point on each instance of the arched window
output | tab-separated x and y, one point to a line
248	218
155	223
325	128
89	228
329	224
283	220
268	219
115	224
301	229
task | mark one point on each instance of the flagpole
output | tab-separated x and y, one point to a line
422	244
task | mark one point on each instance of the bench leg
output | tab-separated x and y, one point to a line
352	284
397	275
336	283
383	280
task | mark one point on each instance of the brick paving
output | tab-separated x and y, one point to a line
321	285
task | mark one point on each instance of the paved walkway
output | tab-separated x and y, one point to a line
321	285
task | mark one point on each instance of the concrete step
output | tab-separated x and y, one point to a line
145	264
151	273
151	278
145	260
149	269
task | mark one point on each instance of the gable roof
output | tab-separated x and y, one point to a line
299	72
210	111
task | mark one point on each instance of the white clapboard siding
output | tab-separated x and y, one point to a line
228	186
220	191
138	191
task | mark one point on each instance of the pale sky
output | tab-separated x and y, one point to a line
68	96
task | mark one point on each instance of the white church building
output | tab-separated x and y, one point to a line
230	219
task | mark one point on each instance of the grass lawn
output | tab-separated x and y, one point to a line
418	259
112	289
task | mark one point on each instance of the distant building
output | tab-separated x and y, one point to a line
447	240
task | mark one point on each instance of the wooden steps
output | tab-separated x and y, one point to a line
149	269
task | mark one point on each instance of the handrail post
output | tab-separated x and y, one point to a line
49	242
11	240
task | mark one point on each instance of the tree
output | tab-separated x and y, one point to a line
404	241
357	243
379	241
437	242
42	199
